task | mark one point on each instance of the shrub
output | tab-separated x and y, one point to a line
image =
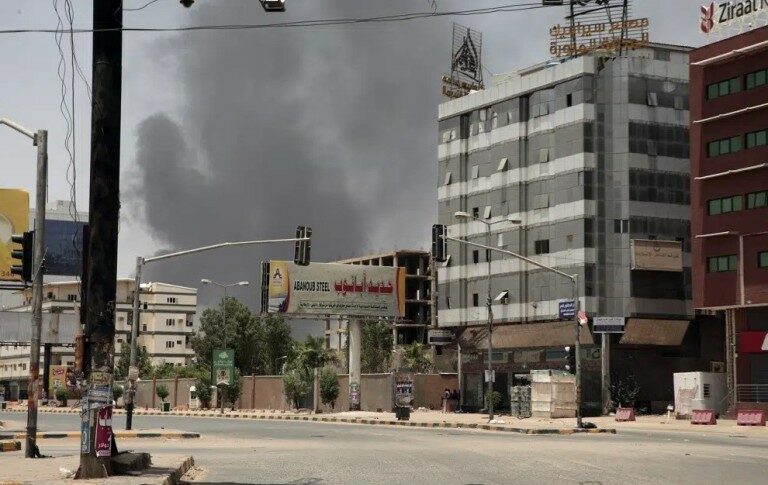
162	392
329	386
296	388
496	399
117	392
62	394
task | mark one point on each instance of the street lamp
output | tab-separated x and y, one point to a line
206	281
278	360
40	140
466	216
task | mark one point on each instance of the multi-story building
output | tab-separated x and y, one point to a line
412	327
166	319
581	165
729	146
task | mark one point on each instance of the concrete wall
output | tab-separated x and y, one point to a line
178	392
428	389
376	392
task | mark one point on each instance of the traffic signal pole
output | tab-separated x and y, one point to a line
574	280
39	139
140	262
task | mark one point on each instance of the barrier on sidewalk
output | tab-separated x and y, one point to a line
750	417
703	416
625	414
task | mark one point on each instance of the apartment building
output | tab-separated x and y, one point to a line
582	165
166	326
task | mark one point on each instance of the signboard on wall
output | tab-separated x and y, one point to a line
655	255
731	18
439	336
14	219
752	342
336	289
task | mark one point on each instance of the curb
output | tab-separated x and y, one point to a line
175	476
10	446
374	422
118	434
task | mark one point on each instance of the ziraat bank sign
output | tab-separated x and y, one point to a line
717	15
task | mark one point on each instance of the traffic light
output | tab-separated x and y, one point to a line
439	243
273	5
24	255
570	359
302	249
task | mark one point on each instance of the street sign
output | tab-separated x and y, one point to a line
608	325
490	375
566	309
223	367
439	336
104	432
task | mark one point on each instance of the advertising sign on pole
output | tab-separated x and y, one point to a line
85	419
223	367
104	432
336	289
57	377
566	310
63	247
608	325
14	219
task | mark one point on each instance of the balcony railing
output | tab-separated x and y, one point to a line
752	392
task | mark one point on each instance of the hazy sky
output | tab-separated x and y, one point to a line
236	135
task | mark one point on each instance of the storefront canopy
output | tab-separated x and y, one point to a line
527	335
641	331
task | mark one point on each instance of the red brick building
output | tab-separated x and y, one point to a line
729	201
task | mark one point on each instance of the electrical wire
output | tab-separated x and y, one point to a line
510	8
139	8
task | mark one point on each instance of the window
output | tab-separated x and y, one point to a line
757	139
475	212
475	299
475	171
448	302
756	79
502	164
119	340
475	256
178	342
144	328
542	246
170	344
500	240
724	88
724	147
762	259
448	178
621	226
660	55
725	205
71	297
653	99
487	212
722	264
569	100
172	299
190	323
169	322
756	200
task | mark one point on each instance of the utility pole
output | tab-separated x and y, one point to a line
104	208
40	139
132	371
489	304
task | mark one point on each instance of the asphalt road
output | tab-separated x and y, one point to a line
285	452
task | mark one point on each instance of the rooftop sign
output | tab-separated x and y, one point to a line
730	18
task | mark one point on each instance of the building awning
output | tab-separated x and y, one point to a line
641	331
525	335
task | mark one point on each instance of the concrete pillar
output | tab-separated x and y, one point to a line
355	343
605	371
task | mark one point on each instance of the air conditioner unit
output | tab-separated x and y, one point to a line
717	366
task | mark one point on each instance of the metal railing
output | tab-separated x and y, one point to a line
752	392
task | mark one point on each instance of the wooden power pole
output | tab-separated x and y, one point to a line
104	207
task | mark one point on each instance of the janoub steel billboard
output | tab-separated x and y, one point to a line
336	289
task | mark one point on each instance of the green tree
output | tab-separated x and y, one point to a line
162	392
496	399
329	386
624	390
117	392
296	387
232	392
376	347
311	354
276	344
143	362
243	331
415	358
62	394
203	387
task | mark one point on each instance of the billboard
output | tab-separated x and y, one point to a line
57	377
14	219
654	255
336	289
63	247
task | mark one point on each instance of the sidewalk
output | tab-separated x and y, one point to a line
437	419
166	468
15	430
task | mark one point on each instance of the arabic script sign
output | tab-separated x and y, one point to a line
336	289
655	255
582	38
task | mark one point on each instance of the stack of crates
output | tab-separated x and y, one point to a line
520	401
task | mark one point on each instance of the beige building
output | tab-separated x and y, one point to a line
166	326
